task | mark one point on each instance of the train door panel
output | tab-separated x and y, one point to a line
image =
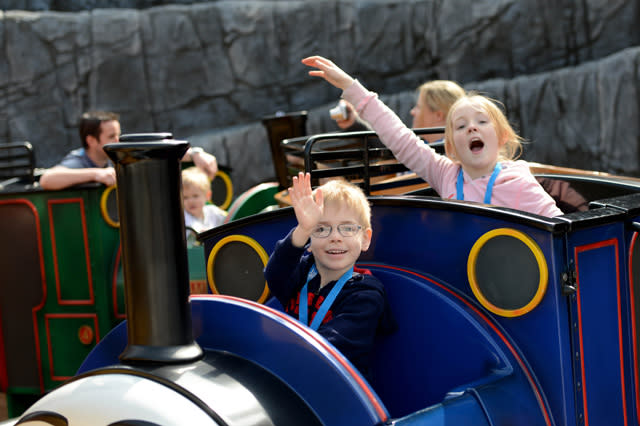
599	323
22	293
70	251
77	310
514	274
74	336
71	290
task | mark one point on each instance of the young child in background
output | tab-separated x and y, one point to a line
196	191
311	271
480	143
434	100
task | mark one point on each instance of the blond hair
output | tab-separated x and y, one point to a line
439	95
349	195
511	142
193	176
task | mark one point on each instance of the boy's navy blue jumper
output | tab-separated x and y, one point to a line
358	314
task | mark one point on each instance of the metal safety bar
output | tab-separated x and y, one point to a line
17	162
358	156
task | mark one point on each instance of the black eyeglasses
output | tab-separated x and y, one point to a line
345	229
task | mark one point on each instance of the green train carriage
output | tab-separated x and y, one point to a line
59	292
62	286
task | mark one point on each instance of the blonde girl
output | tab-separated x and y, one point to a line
481	147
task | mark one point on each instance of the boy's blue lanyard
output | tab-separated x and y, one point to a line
487	194
303	315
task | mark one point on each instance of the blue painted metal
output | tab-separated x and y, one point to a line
404	362
452	352
422	365
571	361
320	375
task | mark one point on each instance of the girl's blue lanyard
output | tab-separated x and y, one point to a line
303	316
487	194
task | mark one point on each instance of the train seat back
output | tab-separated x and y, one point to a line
573	193
430	353
253	201
279	127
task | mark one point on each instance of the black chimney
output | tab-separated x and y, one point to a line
152	234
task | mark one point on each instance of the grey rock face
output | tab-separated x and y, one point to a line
80	5
208	72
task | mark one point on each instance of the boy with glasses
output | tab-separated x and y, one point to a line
311	271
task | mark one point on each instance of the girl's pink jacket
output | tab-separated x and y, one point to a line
515	186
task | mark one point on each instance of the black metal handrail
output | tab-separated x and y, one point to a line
17	162
359	151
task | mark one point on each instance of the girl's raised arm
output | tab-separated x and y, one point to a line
329	71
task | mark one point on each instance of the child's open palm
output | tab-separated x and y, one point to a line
329	71
308	210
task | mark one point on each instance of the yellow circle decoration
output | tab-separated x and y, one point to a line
242	239
103	207
229	186
540	260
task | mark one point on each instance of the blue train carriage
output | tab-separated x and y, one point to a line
505	317
58	295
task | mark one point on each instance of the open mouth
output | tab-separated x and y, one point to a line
476	145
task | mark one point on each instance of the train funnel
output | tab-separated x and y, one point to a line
153	242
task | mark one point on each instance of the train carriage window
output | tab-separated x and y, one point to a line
235	266
507	288
222	190
109	206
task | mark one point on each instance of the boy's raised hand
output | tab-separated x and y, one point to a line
329	71
308	210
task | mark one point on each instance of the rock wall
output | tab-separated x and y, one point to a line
81	5
566	71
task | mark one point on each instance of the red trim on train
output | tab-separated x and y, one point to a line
4	379
577	250
634	331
